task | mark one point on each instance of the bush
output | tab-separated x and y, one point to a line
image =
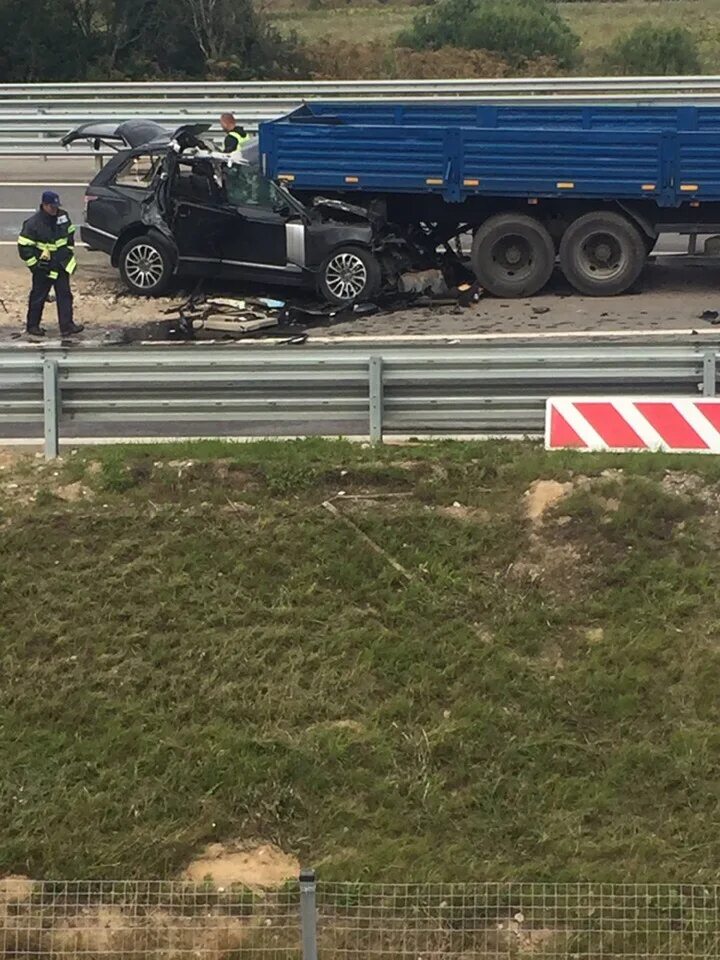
653	50
518	30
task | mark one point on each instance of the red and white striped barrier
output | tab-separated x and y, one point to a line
633	423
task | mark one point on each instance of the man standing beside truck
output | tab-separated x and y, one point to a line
235	135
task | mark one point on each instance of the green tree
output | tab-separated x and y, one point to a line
653	50
40	40
517	29
66	40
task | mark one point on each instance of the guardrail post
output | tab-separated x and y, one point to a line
308	914
51	402
376	399
709	386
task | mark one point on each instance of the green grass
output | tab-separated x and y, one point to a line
199	653
596	23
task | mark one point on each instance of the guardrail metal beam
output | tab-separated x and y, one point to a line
351	389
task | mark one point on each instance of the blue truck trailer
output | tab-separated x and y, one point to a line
590	186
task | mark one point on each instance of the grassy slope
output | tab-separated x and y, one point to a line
596	23
212	655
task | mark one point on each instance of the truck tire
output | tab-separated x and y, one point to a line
513	255
146	265
349	274
602	254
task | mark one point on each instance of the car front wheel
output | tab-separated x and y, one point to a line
349	274
146	266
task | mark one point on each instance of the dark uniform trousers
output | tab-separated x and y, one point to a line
42	284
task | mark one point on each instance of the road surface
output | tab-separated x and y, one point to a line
672	296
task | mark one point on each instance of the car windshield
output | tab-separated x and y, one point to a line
246	186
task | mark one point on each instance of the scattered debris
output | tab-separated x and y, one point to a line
540	310
72	492
430	282
710	316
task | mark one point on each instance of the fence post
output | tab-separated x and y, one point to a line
51	398
308	915
709	388
376	399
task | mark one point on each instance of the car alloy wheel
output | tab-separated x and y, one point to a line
144	266
346	276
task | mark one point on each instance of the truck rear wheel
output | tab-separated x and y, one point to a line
513	255
602	254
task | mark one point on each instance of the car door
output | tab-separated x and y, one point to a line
256	234
201	220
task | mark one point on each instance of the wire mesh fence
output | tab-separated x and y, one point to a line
352	921
167	919
516	920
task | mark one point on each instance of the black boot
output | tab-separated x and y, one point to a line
73	328
35	331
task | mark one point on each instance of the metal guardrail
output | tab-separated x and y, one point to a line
350	390
34	116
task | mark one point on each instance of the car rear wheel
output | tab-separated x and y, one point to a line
602	254
348	275
513	255
146	265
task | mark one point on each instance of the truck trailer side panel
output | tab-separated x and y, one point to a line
461	150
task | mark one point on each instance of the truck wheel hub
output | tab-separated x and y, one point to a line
512	253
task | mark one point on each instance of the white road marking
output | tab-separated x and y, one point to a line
40	183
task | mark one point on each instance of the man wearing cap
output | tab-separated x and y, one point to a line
235	136
47	246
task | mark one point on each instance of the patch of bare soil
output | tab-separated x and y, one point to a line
119	931
96	299
551	558
15	888
21	487
542	495
263	866
459	511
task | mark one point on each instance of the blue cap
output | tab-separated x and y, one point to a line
50	197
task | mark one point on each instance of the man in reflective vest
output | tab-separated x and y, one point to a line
235	136
47	246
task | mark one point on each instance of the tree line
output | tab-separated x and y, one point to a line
74	40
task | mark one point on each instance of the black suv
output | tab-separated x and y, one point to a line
167	204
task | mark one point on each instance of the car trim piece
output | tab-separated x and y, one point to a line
295	242
103	233
286	268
